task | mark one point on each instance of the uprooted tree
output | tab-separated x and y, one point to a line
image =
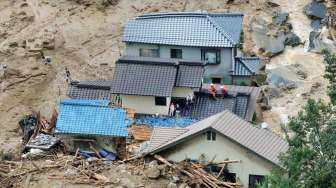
310	161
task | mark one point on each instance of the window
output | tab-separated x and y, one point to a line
254	179
211	56
216	80
176	53
160	101
211	135
144	52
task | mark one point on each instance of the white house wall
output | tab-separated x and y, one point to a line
144	104
220	150
182	92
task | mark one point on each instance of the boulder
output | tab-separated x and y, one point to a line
172	185
318	40
152	173
280	19
292	40
283	77
316	10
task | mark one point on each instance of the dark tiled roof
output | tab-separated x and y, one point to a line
185	29
189	76
96	89
246	66
262	142
241	100
143	79
154	76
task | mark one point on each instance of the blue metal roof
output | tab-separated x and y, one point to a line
185	29
90	117
246	66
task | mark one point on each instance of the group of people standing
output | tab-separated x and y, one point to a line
175	109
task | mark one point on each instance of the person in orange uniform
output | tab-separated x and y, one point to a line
212	91
225	90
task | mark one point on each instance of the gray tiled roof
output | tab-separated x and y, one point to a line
186	29
246	66
154	76
263	142
189	76
97	89
241	101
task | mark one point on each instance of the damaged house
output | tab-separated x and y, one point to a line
200	36
221	137
92	127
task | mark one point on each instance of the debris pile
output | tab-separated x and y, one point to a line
77	170
197	174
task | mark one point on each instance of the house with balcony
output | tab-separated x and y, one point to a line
200	36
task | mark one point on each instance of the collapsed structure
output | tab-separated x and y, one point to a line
219	138
92	125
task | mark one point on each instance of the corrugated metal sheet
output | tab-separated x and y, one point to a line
185	29
90	117
262	142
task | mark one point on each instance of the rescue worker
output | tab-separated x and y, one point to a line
225	90
212	91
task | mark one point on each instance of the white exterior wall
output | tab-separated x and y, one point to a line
182	92
221	149
144	104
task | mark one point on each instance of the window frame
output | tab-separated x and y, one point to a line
211	135
157	101
150	52
211	50
256	180
213	78
176	50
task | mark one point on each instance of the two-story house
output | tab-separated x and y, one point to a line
201	36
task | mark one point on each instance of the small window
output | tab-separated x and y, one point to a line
144	52
254	180
216	80
176	53
160	101
211	56
211	135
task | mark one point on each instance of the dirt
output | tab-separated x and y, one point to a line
292	101
87	40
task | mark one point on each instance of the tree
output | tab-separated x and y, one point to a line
330	75
310	161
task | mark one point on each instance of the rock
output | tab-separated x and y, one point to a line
172	185
316	24
316	10
270	39
264	106
319	41
272	3
183	185
283	77
292	40
175	179
302	74
153	164
152	173
280	19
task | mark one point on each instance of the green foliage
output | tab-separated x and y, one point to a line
310	161
6	156
330	74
